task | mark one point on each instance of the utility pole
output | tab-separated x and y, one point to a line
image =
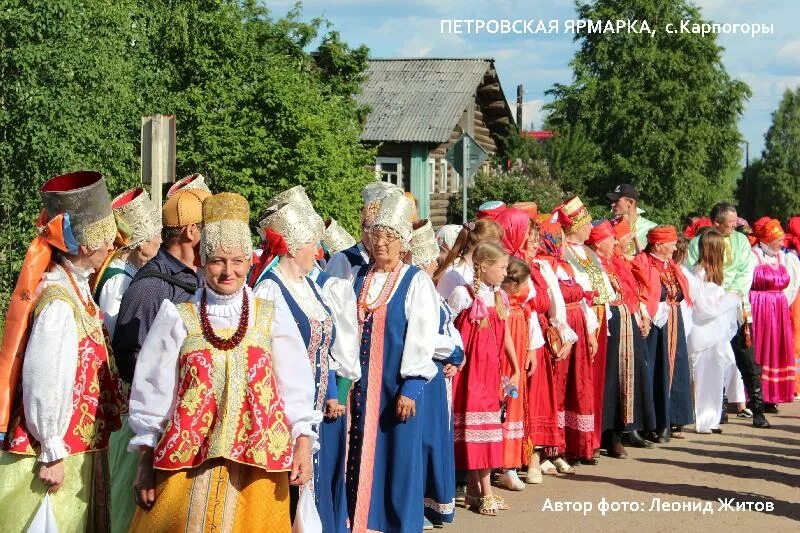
519	107
158	153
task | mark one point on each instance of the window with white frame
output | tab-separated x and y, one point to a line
390	170
444	186
432	174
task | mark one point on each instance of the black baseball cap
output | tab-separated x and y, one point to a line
626	190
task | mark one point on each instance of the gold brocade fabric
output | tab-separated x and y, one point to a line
219	496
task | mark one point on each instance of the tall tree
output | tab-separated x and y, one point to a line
779	175
659	107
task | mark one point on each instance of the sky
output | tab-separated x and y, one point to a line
769	64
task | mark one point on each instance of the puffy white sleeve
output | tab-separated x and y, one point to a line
558	309
449	281
422	312
591	318
339	267
793	267
535	335
292	372
155	381
111	299
339	296
459	299
48	375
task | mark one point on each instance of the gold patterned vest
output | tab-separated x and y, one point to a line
228	402
98	398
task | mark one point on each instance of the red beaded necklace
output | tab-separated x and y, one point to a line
208	331
87	305
364	308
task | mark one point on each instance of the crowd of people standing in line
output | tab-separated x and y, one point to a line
158	373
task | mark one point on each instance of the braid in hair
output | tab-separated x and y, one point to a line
502	312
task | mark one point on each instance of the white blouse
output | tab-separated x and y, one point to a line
339	265
714	312
591	319
557	314
422	313
338	295
113	290
462	272
50	364
451	338
155	381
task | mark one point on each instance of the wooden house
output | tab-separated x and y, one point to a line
418	110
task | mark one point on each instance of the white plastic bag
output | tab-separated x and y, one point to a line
44	521
306	520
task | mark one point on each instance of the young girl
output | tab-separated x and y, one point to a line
715	323
457	268
483	309
526	333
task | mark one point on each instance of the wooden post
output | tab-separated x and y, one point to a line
464	177
519	107
158	153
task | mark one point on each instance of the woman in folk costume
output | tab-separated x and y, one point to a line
344	264
457	268
67	397
714	323
775	284
589	273
292	233
792	245
437	418
628	397
395	305
220	409
663	288
572	365
139	233
482	312
527	336
543	435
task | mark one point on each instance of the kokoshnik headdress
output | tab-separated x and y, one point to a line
226	225
335	239
424	246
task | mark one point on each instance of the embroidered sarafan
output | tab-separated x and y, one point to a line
98	398
228	403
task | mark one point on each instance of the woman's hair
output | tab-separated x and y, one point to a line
711	249
518	271
681	250
488	253
471	235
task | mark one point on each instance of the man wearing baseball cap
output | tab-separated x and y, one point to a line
624	199
170	275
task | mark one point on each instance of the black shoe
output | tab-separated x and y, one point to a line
617	451
771	408
635	439
716	430
664	435
760	421
591	461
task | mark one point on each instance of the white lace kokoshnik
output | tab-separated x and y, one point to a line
153	393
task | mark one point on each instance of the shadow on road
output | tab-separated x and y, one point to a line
746	456
744	472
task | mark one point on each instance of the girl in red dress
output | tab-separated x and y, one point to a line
483	309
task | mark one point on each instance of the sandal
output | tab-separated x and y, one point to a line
563	467
488	507
499	503
548	469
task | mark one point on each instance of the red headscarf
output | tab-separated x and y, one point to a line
662	234
792	237
515	224
621	226
768	229
691	231
600	232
